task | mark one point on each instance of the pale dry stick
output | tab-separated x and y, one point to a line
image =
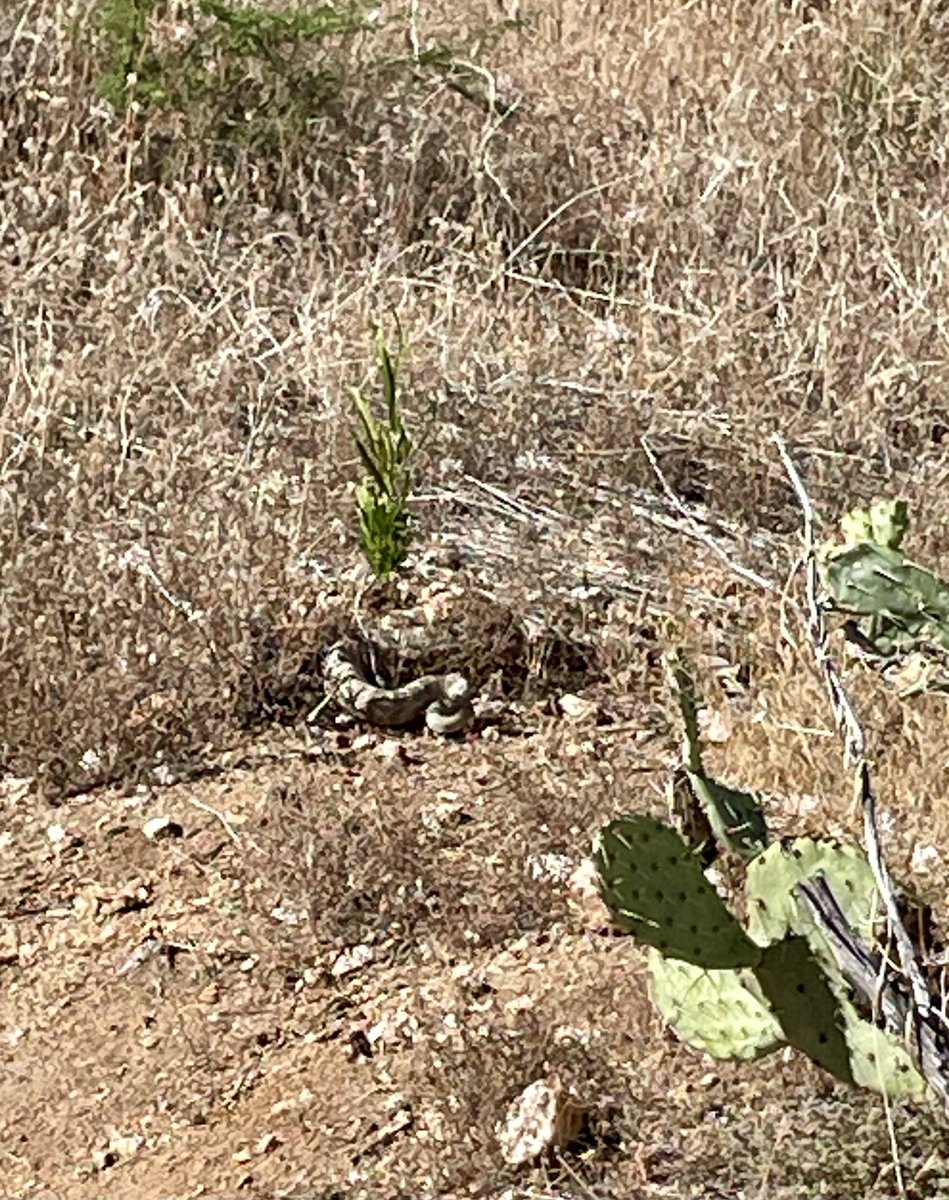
695	529
515	507
558	212
413	31
214	812
856	757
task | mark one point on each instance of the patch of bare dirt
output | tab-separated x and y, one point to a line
331	974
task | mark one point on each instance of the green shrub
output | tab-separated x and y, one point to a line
220	77
232	72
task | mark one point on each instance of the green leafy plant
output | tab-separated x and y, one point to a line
222	60
122	28
215	79
382	497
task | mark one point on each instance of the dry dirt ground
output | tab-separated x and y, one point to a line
626	244
186	1016
350	951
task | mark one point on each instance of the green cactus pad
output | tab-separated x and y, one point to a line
737	818
654	888
712	1011
811	1016
905	607
773	908
879	1061
884	523
875	581
710	810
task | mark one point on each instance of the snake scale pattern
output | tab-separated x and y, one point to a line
444	700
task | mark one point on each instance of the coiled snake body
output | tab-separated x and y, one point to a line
445	700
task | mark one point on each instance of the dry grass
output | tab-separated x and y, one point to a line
698	224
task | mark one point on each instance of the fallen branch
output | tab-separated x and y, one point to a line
878	988
916	1024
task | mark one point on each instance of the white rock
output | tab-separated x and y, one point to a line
552	868
714	726
543	1117
577	708
13	788
388	749
924	857
351	960
161	827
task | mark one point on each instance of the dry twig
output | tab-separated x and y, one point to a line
696	530
911	1015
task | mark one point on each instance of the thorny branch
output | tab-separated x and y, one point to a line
916	1018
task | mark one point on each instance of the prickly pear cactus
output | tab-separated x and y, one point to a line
876	1059
654	887
884	523
773	909
713	811
736	817
713	1011
810	1015
911	603
867	575
738	996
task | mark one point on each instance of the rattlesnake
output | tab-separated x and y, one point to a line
445	700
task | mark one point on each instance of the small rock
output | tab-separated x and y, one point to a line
14	789
584	881
86	904
266	1143
209	994
549	867
583	894
924	857
245	1154
351	960
577	708
120	1147
161	827
126	1146
714	726
545	1116
389	749
91	761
